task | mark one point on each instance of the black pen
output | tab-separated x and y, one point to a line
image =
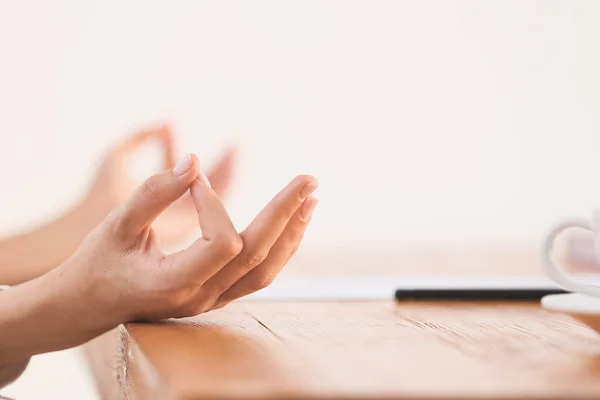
475	294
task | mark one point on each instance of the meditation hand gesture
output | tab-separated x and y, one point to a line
120	273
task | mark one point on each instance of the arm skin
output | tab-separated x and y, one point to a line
46	314
31	254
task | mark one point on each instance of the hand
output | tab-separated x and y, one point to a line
122	271
112	186
120	274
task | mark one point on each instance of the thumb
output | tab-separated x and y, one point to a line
155	195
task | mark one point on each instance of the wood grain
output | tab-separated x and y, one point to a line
330	350
440	350
364	350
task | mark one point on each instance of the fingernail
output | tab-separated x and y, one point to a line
183	166
308	189
204	179
307	208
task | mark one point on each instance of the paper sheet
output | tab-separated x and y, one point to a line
383	287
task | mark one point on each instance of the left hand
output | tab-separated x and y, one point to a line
112	186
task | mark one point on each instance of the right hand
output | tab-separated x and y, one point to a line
122	271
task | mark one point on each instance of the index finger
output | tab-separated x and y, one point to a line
219	243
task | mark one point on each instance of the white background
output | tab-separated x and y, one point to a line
449	121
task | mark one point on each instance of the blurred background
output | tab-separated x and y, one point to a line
444	123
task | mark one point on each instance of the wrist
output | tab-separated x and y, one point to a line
49	313
88	295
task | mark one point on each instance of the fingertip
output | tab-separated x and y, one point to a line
165	129
195	168
305	179
307	184
307	208
187	169
232	152
201	192
195	162
202	178
229	159
195	189
234	144
226	160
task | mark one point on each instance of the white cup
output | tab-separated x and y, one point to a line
558	274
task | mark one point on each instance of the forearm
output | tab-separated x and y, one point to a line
31	254
50	313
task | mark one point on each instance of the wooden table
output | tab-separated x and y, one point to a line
378	349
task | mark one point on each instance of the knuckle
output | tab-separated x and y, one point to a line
187	310
295	235
220	304
261	281
183	303
175	305
229	245
150	188
292	253
199	310
218	288
114	215
201	307
283	213
253	258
